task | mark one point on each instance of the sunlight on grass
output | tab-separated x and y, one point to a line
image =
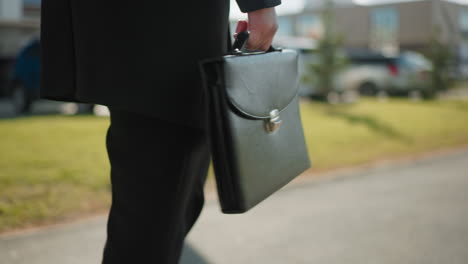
339	136
56	167
51	167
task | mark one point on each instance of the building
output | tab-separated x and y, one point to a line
19	23
390	27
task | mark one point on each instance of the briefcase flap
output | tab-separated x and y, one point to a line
259	84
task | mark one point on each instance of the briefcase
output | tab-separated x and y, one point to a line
255	131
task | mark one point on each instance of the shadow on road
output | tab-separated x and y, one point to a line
191	256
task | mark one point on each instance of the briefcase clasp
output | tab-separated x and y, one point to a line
274	122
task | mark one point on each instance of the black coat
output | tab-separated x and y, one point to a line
139	56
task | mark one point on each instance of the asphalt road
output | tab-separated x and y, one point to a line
406	213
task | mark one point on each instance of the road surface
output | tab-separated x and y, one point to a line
406	213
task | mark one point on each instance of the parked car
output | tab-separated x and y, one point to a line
24	82
6	68
411	74
340	90
371	73
368	72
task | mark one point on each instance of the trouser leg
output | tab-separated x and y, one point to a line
158	170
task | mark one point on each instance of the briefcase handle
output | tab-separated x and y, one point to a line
241	40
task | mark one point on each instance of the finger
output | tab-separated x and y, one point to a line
255	43
242	25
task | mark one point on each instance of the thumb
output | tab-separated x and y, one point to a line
242	25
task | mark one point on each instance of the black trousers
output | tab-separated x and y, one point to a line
158	170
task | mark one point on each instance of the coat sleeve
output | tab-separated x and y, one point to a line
252	5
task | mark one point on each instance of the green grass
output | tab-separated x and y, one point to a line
339	136
55	167
52	167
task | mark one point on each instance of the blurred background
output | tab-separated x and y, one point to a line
348	48
381	82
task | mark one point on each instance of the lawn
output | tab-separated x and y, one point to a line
339	136
53	168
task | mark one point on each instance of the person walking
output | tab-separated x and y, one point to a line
140	58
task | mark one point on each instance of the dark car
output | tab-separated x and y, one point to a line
6	68
25	80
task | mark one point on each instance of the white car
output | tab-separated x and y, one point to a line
407	73
373	74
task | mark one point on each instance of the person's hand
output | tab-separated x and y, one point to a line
262	25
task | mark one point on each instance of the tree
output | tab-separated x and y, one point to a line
441	58
322	72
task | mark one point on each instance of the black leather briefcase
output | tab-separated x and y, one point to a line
256	134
